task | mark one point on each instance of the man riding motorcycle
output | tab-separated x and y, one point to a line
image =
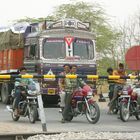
21	86
118	85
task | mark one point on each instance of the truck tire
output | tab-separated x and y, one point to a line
5	95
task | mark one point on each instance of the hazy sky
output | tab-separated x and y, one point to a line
119	10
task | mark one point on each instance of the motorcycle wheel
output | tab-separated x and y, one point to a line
14	117
94	114
124	112
32	113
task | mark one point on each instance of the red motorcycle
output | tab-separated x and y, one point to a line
82	103
129	105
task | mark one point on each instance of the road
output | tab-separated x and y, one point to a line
53	117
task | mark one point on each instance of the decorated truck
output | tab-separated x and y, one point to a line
43	48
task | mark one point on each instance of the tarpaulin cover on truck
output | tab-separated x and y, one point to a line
10	40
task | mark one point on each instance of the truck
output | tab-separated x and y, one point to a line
43	48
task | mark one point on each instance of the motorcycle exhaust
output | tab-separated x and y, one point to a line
9	109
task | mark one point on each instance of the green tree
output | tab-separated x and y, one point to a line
106	36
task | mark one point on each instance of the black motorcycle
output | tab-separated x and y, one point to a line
27	106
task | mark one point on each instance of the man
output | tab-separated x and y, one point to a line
21	85
111	84
118	85
61	84
70	86
73	69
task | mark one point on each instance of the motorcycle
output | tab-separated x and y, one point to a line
116	104
27	106
82	103
129	105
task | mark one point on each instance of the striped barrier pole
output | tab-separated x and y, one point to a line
113	77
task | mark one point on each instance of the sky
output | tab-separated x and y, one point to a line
118	10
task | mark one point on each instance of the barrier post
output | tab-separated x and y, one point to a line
41	108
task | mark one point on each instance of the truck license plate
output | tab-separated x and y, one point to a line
51	91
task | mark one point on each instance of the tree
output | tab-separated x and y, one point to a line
130	35
106	36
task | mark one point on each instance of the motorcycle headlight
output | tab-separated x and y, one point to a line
32	93
29	92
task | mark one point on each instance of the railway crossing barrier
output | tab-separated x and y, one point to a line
114	77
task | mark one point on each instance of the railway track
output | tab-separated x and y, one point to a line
23	136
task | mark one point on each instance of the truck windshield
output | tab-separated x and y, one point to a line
54	48
83	48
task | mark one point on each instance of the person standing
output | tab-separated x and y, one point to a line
111	84
73	69
61	83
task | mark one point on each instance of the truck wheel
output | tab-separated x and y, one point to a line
5	93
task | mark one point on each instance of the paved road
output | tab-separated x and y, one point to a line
53	117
